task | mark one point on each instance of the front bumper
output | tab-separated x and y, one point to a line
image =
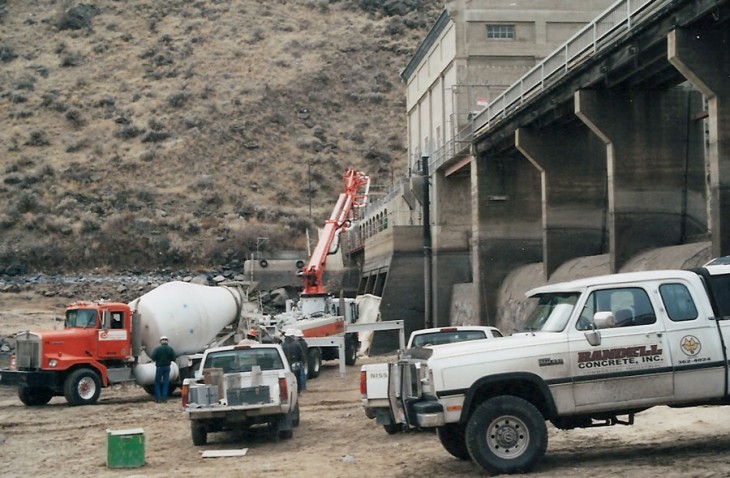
38	378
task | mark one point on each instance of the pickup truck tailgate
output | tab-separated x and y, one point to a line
252	389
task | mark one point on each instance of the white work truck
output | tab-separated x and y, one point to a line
594	352
254	386
374	377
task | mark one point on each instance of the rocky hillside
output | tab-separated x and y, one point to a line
144	134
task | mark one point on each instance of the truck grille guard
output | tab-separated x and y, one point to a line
27	351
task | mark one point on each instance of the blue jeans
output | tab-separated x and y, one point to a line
162	378
303	377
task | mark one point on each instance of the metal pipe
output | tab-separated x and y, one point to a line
427	292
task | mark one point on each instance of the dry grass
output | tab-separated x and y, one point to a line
157	133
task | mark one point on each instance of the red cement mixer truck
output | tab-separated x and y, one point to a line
103	343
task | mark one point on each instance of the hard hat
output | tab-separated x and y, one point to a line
164	337
252	332
298	333
289	333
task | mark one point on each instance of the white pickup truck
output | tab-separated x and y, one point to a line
374	377
593	353
256	387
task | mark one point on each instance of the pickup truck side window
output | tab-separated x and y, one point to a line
630	306
678	302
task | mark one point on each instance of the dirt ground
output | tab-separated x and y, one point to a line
334	439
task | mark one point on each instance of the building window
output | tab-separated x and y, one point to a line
500	32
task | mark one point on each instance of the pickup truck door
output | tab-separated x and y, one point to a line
632	364
694	342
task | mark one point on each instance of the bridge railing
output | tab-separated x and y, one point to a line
591	39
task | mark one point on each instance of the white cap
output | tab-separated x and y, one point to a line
164	337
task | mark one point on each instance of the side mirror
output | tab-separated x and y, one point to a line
604	320
593	337
106	319
601	320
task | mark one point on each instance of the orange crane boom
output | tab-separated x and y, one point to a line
339	220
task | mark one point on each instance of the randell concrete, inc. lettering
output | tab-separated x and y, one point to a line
619	356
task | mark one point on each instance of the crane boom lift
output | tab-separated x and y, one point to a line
355	195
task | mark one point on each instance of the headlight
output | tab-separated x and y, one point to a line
52	363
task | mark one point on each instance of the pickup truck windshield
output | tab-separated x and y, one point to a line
243	360
552	312
80	318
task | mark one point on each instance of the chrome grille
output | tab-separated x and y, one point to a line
27	351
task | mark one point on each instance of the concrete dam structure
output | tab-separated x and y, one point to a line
609	156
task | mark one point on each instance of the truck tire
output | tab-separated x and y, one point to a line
314	362
506	434
150	389
82	387
393	428
452	438
286	434
33	396
350	350
295	416
199	433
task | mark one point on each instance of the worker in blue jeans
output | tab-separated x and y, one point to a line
303	371
163	356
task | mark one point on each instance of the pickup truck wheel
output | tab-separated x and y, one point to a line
200	435
506	434
393	428
295	416
314	362
453	440
82	387
350	351
33	396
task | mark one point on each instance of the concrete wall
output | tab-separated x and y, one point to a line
513	306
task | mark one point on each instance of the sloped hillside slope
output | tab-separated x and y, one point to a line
138	134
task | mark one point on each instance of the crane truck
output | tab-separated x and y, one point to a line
104	343
317	313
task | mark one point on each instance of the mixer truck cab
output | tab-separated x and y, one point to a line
72	361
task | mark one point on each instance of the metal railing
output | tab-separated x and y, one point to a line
619	18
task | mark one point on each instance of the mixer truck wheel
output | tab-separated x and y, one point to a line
150	389
82	387
314	362
200	435
33	396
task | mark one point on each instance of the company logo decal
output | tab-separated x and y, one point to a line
112	335
620	356
690	345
